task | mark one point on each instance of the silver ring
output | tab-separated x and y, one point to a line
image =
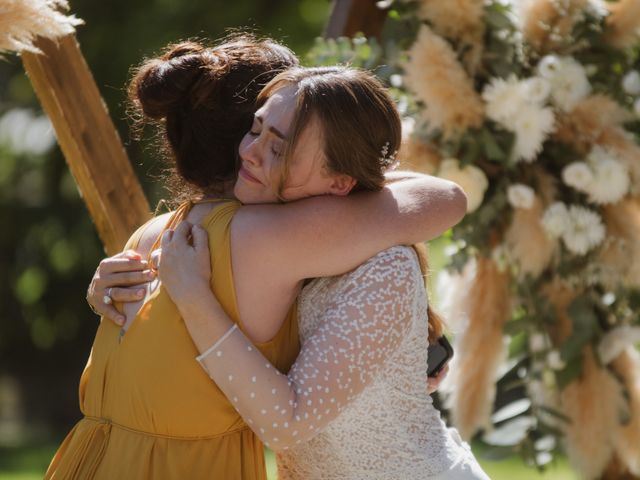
107	300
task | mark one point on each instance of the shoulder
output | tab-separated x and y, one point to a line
397	259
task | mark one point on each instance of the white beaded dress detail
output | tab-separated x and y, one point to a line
390	430
355	404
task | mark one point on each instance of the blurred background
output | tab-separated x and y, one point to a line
48	244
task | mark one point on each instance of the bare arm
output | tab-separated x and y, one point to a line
343	356
329	235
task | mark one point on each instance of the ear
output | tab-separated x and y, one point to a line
341	184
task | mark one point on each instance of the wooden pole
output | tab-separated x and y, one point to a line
349	17
90	143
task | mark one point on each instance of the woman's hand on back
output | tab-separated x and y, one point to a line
121	278
185	265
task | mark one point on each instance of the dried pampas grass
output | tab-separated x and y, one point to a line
620	257
627	444
487	306
459	20
527	244
419	156
547	24
22	21
436	77
586	124
595	404
623	23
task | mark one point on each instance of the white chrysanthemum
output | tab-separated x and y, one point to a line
520	196
568	79
611	181
578	175
503	98
584	231
531	125
631	82
556	219
470	178
554	360
616	340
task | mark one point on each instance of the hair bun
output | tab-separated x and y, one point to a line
165	84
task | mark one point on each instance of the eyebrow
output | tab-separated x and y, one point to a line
272	129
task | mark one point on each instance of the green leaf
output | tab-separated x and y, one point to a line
491	148
569	373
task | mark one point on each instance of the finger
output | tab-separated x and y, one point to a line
154	261
123	279
200	238
132	254
166	238
183	232
110	265
111	313
133	294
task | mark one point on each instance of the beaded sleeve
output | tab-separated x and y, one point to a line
361	328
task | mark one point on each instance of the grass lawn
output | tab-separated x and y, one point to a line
29	463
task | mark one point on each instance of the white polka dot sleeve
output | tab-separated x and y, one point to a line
359	331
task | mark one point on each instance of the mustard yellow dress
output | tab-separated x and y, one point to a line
150	410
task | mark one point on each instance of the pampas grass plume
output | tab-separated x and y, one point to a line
419	156
545	25
627	444
623	23
594	403
620	258
22	21
434	74
526	241
459	20
487	306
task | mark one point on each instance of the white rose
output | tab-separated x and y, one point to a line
548	66
631	82
578	175
520	196
470	178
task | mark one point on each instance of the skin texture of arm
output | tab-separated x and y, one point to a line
359	331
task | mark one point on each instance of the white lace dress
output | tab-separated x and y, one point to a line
355	403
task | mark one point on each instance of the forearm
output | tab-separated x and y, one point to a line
204	318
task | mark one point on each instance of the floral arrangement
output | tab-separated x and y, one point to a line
533	107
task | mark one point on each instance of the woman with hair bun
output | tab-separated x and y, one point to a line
151	410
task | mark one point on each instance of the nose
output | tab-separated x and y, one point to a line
250	150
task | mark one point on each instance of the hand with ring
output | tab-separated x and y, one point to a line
121	278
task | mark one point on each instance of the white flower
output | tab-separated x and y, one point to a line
578	175
548	66
611	181
554	360
520	196
584	231
537	342
631	82
616	340
569	82
470	178
537	90
531	125
556	219
503	98
408	125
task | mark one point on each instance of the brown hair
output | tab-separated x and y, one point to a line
203	100
357	118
